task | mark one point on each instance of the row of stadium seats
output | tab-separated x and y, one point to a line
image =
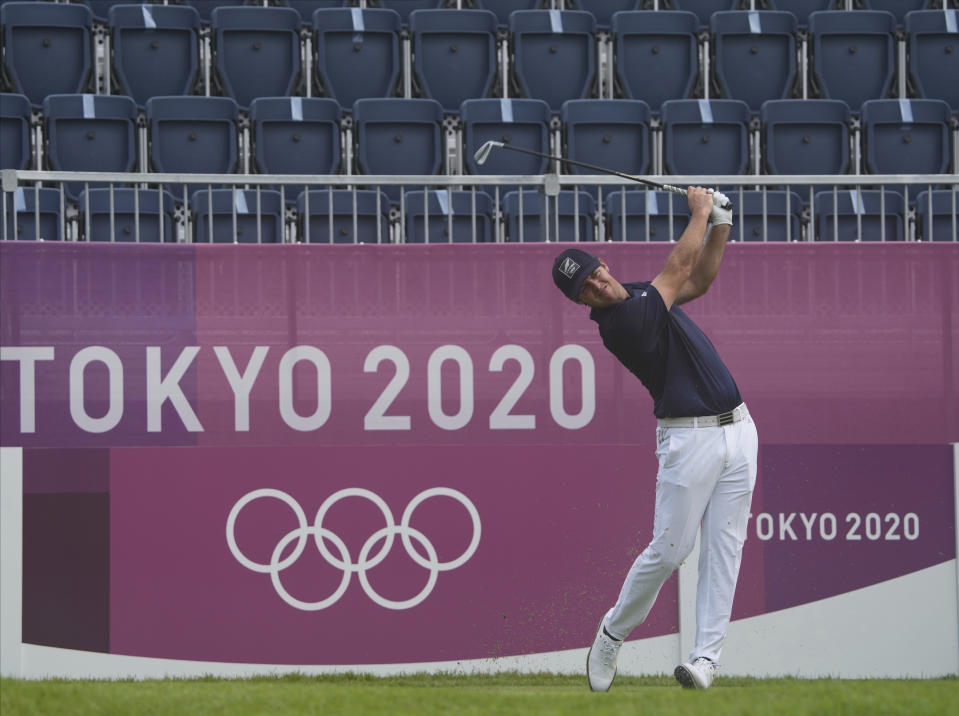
602	10
458	216
395	136
654	56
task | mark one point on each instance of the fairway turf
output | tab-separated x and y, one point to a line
483	694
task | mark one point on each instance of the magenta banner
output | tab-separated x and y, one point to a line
252	454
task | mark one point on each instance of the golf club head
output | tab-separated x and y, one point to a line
482	154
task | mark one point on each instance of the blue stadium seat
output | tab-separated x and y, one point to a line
706	136
860	215
782	209
454	55
937	213
257	51
611	133
343	216
538	216
932	39
656	55
445	209
805	136
398	136
206	7
898	8
357	53
802	9
906	137
155	49
32	213
87	132
47	48
554	54
523	123
295	135
603	10
132	210
406	7
755	55
853	54
192	135
648	215
256	215
504	8
703	9
15	117
306	8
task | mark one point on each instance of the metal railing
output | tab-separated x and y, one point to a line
28	209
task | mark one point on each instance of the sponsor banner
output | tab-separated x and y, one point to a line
450	345
330	555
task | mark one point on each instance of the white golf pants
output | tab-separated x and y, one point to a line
706	478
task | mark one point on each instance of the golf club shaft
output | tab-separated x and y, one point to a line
602	170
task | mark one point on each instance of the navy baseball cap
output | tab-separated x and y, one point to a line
570	269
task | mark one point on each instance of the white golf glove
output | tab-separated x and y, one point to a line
720	215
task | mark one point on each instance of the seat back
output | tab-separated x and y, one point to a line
100	9
15	118
898	8
802	9
906	136
610	133
94	133
645	215
805	136
47	48
155	49
656	55
134	215
468	214
853	54
932	39
937	215
520	122
706	136
530	216
851	215
782	211
704	9
504	8
295	135
754	55
306	8
343	216
398	136
238	216
192	135
405	8
454	55
603	10
554	54
357	53
207	7
257	51
31	213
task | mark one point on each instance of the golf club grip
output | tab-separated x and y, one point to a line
669	187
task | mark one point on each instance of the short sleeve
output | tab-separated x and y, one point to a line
641	320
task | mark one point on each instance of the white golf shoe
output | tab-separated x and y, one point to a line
697	675
601	660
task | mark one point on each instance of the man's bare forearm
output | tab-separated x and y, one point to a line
707	264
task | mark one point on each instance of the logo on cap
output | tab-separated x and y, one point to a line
569	268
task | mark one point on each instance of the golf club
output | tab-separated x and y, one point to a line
482	154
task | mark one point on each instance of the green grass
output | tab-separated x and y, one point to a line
486	694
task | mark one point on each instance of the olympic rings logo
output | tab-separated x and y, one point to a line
343	561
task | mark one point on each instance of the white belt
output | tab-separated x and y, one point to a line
707	421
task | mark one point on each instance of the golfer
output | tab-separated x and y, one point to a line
705	439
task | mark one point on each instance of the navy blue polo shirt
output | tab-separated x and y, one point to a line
669	353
